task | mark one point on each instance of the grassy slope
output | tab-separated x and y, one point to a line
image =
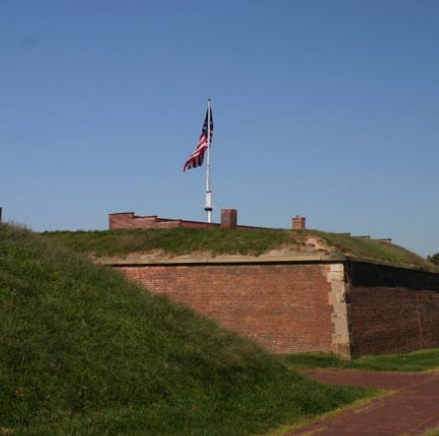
224	241
375	250
84	352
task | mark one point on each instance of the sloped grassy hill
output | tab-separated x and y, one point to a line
216	241
84	352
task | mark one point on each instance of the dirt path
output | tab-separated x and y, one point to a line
411	411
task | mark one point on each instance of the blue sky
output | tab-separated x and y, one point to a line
322	108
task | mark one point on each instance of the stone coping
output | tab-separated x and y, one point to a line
194	259
276	256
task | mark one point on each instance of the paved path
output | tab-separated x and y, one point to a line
411	411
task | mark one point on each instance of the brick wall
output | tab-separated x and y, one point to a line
392	310
128	220
348	307
283	307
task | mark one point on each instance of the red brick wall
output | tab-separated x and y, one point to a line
130	221
392	310
283	307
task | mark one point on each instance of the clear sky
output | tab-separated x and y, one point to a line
322	108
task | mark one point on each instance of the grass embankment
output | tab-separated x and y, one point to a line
375	250
216	241
176	241
84	352
423	360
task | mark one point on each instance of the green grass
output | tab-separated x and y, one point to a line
217	241
175	241
84	352
423	360
375	250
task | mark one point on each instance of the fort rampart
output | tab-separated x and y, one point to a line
302	302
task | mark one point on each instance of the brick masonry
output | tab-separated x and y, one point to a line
285	309
128	220
343	306
392	310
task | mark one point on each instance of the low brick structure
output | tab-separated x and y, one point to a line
302	302
128	220
299	222
229	220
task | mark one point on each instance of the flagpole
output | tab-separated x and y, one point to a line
208	205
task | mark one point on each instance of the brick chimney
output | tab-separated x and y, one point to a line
385	240
229	218
299	222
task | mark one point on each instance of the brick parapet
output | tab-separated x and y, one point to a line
129	220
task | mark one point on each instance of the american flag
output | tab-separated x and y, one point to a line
196	159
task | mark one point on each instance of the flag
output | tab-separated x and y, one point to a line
196	159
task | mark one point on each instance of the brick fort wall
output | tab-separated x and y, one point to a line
344	306
285	308
392	310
